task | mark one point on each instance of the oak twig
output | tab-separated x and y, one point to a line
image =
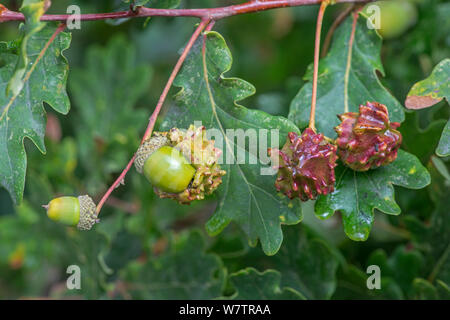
202	13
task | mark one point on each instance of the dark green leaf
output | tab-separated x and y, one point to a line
402	267
306	264
358	194
184	272
253	285
338	93
430	91
420	142
32	10
245	196
124	248
26	117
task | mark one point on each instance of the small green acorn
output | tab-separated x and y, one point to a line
168	170
73	211
180	164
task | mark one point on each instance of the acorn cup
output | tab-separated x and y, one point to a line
180	164
73	211
367	139
306	165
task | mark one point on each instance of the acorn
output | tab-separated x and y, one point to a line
73	211
167	169
367	139
395	16
307	165
180	164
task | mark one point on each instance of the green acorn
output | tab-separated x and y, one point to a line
180	164
73	211
168	170
396	16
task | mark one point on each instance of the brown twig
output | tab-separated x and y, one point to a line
202	13
154	116
312	115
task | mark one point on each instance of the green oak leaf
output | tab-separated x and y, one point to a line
253	285
307	264
32	10
398	273
185	271
432	236
124	248
402	266
245	196
420	142
358	194
105	93
26	117
352	282
430	91
337	93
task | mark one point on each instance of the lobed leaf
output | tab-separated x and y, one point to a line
430	91
358	194
346	79
245	196
307	264
253	285
184	272
25	117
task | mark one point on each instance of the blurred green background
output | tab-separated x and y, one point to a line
127	65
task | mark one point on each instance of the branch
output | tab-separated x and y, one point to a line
152	121
203	13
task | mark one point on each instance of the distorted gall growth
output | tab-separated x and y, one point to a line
367	139
306	167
